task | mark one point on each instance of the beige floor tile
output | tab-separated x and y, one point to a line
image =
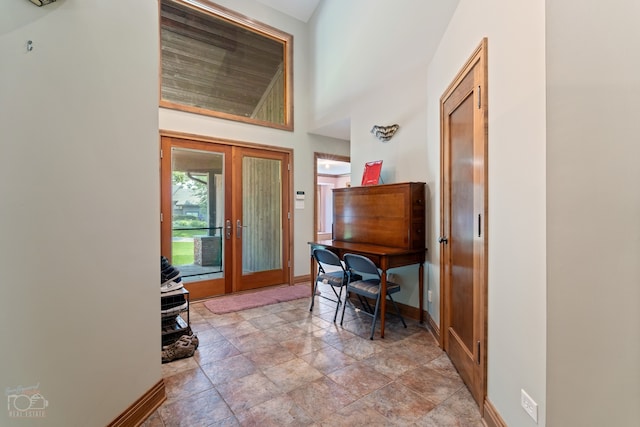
209	337
225	319
321	398
284	332
422	354
155	420
252	341
328	359
458	410
303	344
293	314
186	383
266	357
202	409
335	335
399	404
215	352
392	362
358	414
267	321
431	384
236	329
278	412
292	374
229	369
359	348
359	379
308	323
246	392
179	365
200	325
443	365
265	310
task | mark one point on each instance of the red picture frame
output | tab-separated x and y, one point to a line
371	174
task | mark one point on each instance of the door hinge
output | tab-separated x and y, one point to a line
288	215
479	97
289	263
288	166
161	154
478	352
161	217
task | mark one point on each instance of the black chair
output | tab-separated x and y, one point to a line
331	272
368	288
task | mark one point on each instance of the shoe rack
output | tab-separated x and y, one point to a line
174	309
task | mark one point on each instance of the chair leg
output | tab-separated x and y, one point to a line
375	316
339	295
346	297
397	311
333	288
364	303
313	297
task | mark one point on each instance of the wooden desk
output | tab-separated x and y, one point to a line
385	257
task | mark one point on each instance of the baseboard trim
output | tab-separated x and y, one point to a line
435	328
142	408
405	310
302	279
491	416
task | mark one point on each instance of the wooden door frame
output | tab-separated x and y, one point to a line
479	59
288	240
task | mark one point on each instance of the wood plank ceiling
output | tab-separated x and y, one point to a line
210	63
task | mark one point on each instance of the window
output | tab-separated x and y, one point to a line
219	63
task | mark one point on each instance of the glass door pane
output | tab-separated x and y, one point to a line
261	214
197	204
261	253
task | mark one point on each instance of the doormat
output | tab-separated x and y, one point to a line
231	303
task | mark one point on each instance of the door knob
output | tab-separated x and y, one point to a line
443	239
239	228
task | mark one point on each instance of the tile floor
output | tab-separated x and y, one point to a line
280	365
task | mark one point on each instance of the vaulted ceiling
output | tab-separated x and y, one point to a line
299	9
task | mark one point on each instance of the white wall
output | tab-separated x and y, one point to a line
303	144
79	206
593	234
516	276
380	43
361	46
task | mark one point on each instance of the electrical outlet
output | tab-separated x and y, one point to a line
529	405
429	296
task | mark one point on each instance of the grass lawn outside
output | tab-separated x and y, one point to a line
182	253
182	250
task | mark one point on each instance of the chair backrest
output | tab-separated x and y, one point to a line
325	257
360	264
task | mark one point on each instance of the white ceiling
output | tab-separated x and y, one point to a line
299	9
332	167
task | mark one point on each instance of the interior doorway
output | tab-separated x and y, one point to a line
331	172
463	201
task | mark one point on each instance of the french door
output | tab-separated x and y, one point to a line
225	215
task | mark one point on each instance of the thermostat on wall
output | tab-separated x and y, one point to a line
299	195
